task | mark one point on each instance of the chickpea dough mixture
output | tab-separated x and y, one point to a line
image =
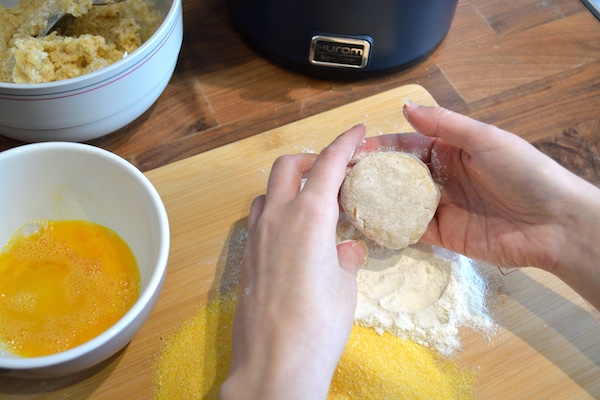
97	36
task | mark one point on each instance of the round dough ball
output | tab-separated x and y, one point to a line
390	197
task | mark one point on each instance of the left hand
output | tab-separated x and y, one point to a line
298	290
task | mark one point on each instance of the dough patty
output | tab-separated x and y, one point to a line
390	197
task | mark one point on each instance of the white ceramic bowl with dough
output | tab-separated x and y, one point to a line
64	180
98	103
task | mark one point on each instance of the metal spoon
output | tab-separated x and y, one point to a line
55	17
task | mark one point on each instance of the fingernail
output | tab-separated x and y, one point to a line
361	142
411	104
362	244
408	103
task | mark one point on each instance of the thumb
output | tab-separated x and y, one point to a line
352	254
453	128
439	122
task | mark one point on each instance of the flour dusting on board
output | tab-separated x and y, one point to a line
421	293
306	149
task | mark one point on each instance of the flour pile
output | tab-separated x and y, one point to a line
421	293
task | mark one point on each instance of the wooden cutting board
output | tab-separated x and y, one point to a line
547	346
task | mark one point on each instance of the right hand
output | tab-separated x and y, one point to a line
503	201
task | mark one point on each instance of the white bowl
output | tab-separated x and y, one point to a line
62	180
98	103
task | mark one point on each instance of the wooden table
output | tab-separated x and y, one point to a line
532	67
529	66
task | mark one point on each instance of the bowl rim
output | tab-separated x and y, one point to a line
165	28
16	362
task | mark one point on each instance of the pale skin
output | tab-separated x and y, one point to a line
502	202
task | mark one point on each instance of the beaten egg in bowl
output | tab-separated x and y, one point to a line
63	283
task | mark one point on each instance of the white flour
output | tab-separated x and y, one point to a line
421	293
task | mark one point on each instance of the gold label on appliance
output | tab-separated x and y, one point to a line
339	52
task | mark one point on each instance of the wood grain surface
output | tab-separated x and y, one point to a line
547	344
529	66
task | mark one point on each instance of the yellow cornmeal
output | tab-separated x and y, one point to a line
194	362
99	36
377	366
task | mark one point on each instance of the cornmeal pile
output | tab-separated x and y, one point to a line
194	362
97	37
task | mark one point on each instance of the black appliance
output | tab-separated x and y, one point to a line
344	39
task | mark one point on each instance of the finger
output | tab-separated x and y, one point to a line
455	129
412	142
352	254
256	210
329	169
286	176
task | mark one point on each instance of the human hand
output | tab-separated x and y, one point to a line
502	200
298	289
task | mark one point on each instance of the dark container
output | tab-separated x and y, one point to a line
344	39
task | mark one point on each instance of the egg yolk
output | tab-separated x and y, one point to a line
63	283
